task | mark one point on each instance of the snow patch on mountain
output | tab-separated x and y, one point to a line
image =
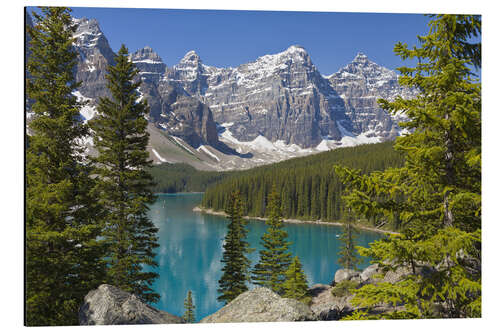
159	156
87	111
182	143
208	152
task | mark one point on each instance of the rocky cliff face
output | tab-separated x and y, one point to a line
171	109
186	117
281	97
360	84
94	56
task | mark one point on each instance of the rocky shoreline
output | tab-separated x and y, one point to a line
108	305
214	212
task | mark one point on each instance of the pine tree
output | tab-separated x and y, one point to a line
236	264
189	306
123	186
347	253
295	285
63	257
436	195
274	259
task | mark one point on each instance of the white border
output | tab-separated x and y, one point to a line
12	158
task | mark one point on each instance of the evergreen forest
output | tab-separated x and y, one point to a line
308	186
181	177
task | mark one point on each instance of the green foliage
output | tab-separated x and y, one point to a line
308	187
181	177
236	264
446	280
270	271
436	195
347	253
189	307
295	285
123	183
62	254
344	288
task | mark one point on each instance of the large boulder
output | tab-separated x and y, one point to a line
345	274
325	306
368	272
393	276
261	305
108	305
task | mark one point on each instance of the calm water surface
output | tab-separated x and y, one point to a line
191	249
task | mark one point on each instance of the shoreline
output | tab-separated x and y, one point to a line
296	221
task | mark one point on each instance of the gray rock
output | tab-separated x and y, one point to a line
186	117
327	307
368	272
393	276
108	305
261	305
345	274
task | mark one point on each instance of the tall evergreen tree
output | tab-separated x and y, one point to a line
274	258
236	264
189	307
436	195
295	285
123	186
62	254
347	253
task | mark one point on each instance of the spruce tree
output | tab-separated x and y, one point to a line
236	264
347	253
63	256
436	195
189	307
295	285
123	186
274	259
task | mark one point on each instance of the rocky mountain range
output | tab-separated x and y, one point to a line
276	107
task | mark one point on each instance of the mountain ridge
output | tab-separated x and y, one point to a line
273	108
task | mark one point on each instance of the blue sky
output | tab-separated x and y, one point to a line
230	38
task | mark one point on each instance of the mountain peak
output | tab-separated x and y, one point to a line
295	51
360	57
296	48
87	32
146	54
190	57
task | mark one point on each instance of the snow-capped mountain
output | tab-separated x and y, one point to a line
94	56
276	107
149	63
360	84
281	97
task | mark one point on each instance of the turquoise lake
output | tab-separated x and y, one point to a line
191	249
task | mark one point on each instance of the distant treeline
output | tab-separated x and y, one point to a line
173	178
309	188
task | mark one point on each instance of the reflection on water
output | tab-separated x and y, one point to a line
191	249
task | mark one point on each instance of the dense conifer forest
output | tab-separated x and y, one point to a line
308	186
181	177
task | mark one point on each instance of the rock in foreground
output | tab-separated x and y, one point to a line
261	305
108	305
325	306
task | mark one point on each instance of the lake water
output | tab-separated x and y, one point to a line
191	249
